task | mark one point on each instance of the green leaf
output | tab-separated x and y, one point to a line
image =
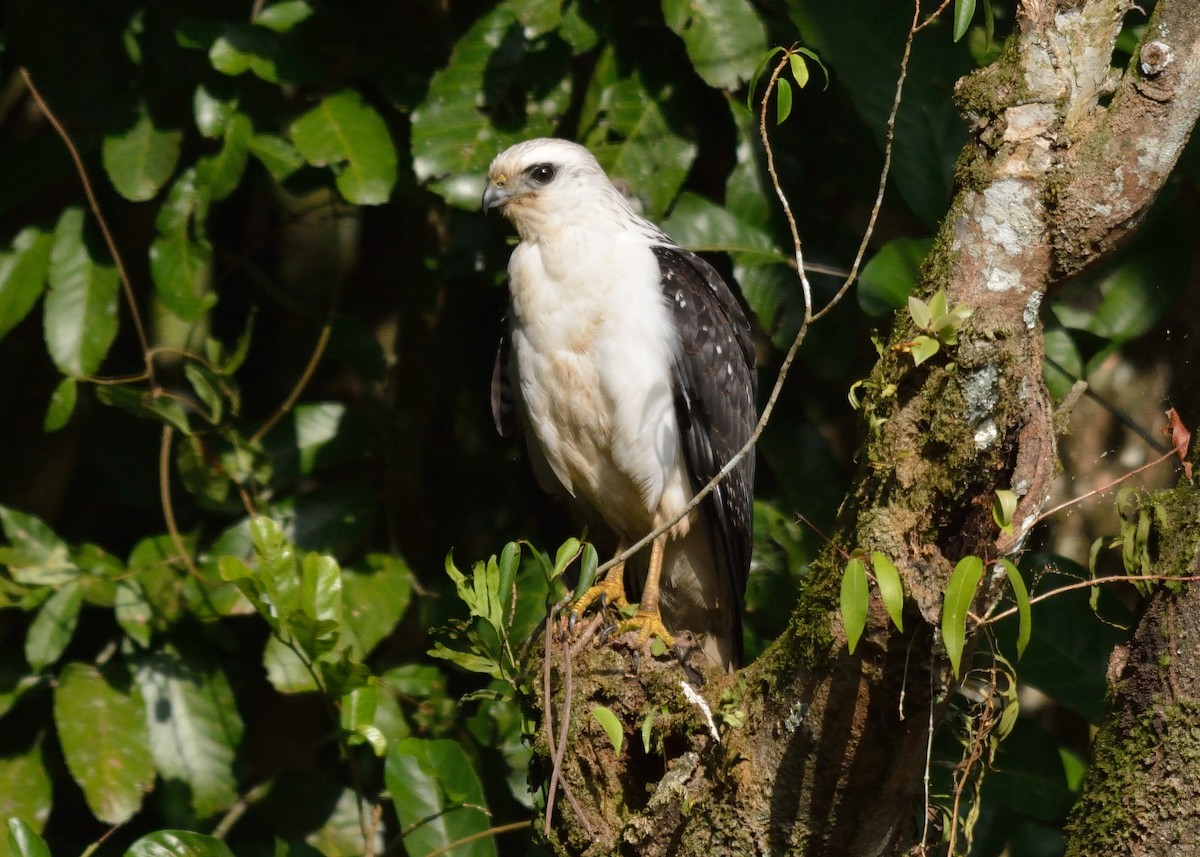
455	136
25	799
103	737
588	565
281	17
194	724
889	277
854	601
347	134
1003	508
756	78
703	226
1028	775
181	256
373	600
53	627
920	312
799	69
922	348
23	840
964	11
567	552
1024	612
223	171
438	797
38	557
278	155
23	275
212	110
960	595
721	37
286	670
80	320
139	160
141	403
178	843
62	405
611	726
628	130
133	611
891	590
240	48
783	100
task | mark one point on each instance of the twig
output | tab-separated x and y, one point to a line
94	204
1086	584
298	387
933	16
483	834
168	506
235	812
87	852
1044	515
889	137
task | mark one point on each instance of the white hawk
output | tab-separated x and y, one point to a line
631	365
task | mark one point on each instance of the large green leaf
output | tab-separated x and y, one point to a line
23	841
956	607
347	134
80	318
724	38
438	797
861	41
223	170
525	87
37	556
704	226
140	159
1028	775
624	122
1069	646
194	724
22	275
178	843
889	277
24	790
181	256
54	626
374	600
102	731
341	834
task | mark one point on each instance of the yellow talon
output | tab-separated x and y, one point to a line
611	588
648	625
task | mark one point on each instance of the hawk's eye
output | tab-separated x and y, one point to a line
541	173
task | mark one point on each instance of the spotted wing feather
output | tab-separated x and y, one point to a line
715	393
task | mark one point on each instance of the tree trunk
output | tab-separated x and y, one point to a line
1142	793
821	752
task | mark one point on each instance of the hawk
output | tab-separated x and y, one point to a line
631	365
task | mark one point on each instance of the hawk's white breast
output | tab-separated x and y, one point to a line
593	343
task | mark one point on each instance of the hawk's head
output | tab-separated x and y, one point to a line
544	184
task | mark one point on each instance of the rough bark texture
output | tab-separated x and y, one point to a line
815	757
1142	792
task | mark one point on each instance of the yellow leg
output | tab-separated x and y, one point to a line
611	590
648	620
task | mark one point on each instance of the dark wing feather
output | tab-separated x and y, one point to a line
715	393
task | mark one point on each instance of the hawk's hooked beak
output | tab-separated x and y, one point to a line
498	193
